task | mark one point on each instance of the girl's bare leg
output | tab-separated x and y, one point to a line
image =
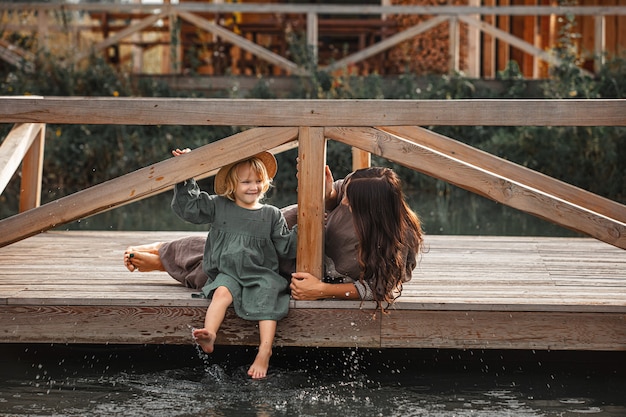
143	258
267	331
222	298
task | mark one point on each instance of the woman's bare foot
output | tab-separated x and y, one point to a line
261	364
205	339
144	258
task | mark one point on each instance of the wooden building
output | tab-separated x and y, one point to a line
476	37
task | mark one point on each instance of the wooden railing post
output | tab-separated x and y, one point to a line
312	35
32	172
474	46
454	42
599	42
312	154
360	159
175	44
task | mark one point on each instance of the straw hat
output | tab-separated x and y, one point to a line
267	158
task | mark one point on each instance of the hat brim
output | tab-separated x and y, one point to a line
267	158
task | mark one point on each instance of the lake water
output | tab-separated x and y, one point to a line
81	380
457	213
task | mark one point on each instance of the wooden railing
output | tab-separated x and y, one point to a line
386	128
128	25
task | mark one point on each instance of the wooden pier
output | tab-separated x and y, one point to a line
468	292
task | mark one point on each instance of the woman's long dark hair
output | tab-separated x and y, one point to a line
387	230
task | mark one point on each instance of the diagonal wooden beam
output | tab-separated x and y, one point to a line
493	185
243	43
14	148
279	149
387	43
508	169
112	40
146	181
16	56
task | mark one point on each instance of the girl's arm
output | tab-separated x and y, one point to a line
305	286
191	204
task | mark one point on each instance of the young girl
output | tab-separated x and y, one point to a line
242	250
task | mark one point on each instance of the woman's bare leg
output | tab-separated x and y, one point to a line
267	331
143	258
222	298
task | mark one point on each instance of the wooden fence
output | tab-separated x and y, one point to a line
386	128
228	36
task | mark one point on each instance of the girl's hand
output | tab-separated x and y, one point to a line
179	152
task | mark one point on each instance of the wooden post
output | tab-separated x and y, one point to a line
312	35
32	172
43	35
473	46
137	47
312	154
176	61
600	42
528	24
454	41
503	50
360	159
488	47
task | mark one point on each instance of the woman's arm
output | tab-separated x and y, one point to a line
330	193
305	286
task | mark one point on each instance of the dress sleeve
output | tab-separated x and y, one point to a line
193	205
285	239
364	290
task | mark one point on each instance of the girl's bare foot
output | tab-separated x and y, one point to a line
261	364
205	339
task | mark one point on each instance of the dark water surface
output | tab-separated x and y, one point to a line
459	213
71	380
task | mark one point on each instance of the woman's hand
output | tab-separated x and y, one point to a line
328	183
305	286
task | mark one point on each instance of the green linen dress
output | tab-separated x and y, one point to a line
241	251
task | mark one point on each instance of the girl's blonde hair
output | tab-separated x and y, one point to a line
232	178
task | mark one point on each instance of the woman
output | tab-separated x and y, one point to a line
372	241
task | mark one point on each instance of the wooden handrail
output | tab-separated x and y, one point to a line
259	112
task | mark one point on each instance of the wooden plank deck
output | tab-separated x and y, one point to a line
468	292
